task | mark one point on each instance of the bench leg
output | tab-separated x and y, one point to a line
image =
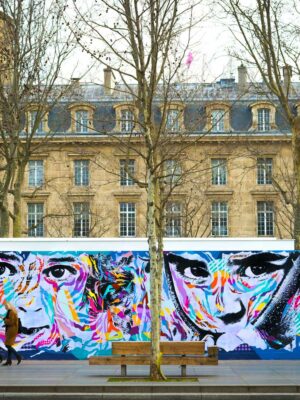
123	370
183	370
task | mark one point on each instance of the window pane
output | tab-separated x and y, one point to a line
263	115
127	171
173	171
219	171
127	219
219	218
217	120
35	222
81	121
81	219
33	116
172	122
81	168
36	173
264	171
265	218
173	219
127	121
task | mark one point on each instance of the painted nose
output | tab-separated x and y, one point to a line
234	317
29	304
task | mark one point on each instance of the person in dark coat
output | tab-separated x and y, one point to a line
11	331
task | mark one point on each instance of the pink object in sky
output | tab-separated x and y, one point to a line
189	59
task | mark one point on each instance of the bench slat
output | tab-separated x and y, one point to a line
182	348
131	348
145	360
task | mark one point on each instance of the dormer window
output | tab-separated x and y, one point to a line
127	121
172	121
82	121
37	119
173	117
35	124
263	116
82	115
217	120
218	117
126	118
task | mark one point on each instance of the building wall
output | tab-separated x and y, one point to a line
104	192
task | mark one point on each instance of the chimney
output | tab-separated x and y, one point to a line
107	81
287	75
75	82
242	78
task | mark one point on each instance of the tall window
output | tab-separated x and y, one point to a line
219	171
219	218
81	219
265	218
172	122
173	219
127	219
263	118
127	170
81	168
127	121
33	117
217	120
173	171
36	173
35	222
82	121
264	171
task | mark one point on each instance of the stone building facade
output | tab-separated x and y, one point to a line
233	178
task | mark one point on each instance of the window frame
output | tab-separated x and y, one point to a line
126	107
263	119
125	178
263	218
218	216
260	105
219	172
79	127
36	183
84	220
218	122
127	219
173	219
81	166
264	171
218	106
38	220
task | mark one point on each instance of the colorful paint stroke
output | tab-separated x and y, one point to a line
74	304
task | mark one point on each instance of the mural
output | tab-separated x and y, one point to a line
73	304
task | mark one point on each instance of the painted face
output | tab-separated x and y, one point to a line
224	296
49	293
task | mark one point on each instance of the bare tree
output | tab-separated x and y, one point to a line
141	42
34	47
268	34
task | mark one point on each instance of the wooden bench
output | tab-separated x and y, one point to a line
173	353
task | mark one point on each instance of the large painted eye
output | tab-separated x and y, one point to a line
258	273
195	272
60	272
255	271
6	270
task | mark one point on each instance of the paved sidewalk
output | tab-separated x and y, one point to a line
77	380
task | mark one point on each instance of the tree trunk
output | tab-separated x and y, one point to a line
4	217
17	223
155	296
296	154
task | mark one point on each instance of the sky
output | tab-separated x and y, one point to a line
209	47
